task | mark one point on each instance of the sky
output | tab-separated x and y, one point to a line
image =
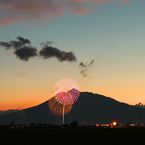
98	43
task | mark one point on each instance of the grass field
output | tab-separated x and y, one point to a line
73	136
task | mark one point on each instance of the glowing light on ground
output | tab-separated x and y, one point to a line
114	123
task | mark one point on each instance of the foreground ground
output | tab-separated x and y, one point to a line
73	136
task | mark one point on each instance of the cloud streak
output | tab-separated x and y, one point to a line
19	75
16	11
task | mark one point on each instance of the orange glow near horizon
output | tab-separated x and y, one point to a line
18	105
32	60
15	96
33	99
23	102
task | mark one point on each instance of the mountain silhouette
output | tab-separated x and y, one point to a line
89	109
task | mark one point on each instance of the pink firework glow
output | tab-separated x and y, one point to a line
66	91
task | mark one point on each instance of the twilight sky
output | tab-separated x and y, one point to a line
98	43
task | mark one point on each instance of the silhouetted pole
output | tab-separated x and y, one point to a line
52	121
63	113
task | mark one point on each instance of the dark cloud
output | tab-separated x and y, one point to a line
5	44
23	41
49	51
22	50
15	44
26	52
84	67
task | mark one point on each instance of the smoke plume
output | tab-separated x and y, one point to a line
84	67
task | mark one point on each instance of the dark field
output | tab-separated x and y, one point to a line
73	136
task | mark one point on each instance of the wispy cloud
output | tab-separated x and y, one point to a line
24	73
84	67
125	2
17	11
19	75
6	53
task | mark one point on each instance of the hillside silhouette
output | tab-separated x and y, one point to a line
89	109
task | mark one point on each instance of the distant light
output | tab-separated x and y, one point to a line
105	125
131	124
114	123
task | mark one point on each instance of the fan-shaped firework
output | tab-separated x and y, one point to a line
66	91
57	108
